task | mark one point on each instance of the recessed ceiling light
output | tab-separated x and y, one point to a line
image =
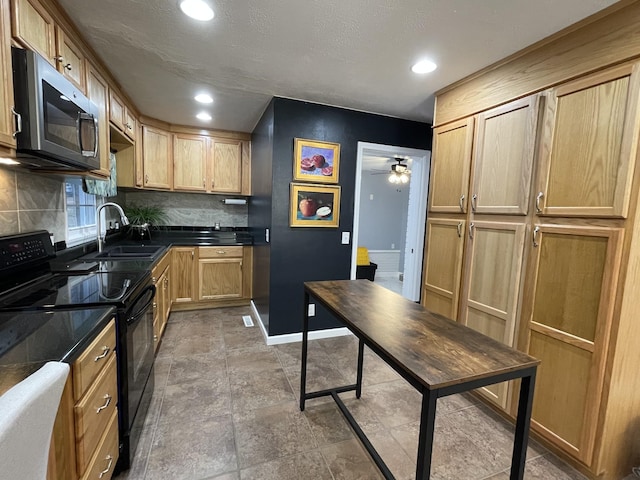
203	98
8	161
204	116
424	66
197	9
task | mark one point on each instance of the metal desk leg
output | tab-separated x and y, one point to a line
521	439
425	440
305	337
359	374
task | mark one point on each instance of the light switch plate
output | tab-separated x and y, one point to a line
345	238
312	310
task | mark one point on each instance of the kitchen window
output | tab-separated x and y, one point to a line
81	213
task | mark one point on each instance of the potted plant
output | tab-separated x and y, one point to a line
141	217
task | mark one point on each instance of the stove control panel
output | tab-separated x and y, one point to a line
24	249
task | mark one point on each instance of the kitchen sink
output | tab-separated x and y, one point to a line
131	251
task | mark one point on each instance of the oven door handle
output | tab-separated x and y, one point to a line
136	316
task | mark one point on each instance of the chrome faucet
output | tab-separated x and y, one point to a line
123	219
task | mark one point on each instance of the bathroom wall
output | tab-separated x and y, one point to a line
189	209
30	201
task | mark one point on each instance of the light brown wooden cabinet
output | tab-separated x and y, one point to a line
190	159
220	273
573	279
71	61
589	144
443	266
120	116
226	166
157	158
85	435
161	277
7	120
184	278
34	27
97	89
494	260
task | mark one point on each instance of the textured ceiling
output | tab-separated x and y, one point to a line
354	53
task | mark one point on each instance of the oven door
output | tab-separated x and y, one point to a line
139	345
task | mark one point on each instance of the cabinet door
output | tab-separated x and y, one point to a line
220	278
572	284
7	122
97	89
156	158
504	147
116	110
183	274
450	167
71	60
34	28
226	175
494	260
190	162
588	146
443	266
129	124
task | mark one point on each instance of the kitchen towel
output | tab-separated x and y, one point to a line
103	188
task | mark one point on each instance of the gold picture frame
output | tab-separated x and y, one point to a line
314	205
316	161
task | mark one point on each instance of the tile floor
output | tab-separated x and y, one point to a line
225	408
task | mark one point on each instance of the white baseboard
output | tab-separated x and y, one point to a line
297	337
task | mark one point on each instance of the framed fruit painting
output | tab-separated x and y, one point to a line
316	161
315	205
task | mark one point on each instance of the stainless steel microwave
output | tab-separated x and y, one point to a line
57	126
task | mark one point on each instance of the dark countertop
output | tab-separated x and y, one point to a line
29	339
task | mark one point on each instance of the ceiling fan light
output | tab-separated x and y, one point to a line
404	178
393	178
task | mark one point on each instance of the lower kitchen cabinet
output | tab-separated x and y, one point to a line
183	274
85	435
220	273
206	277
162	305
443	266
569	315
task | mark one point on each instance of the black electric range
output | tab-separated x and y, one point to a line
32	280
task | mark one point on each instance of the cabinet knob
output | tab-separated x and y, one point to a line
58	58
67	67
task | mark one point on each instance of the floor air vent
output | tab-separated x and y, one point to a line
247	321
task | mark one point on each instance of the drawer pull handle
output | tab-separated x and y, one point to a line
105	352
107	397
221	252
104	472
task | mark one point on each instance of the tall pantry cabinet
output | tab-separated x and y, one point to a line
533	236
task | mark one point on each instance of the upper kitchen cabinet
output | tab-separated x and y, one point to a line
589	144
450	167
504	146
35	28
157	158
226	166
190	162
70	60
97	91
121	117
7	120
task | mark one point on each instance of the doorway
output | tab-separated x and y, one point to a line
389	219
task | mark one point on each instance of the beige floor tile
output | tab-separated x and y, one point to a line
307	466
250	391
349	461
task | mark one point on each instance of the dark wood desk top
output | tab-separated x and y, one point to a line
435	351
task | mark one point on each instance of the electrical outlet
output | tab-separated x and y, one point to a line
393	246
312	310
345	238
371	196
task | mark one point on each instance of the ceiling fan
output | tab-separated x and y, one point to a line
399	172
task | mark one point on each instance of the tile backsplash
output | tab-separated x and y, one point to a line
30	201
190	209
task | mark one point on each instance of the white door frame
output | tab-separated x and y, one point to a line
417	217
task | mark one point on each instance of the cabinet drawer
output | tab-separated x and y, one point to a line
93	359
92	413
220	252
103	462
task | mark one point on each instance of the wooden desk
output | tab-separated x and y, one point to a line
437	356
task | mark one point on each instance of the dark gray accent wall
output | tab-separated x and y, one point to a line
260	206
300	254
